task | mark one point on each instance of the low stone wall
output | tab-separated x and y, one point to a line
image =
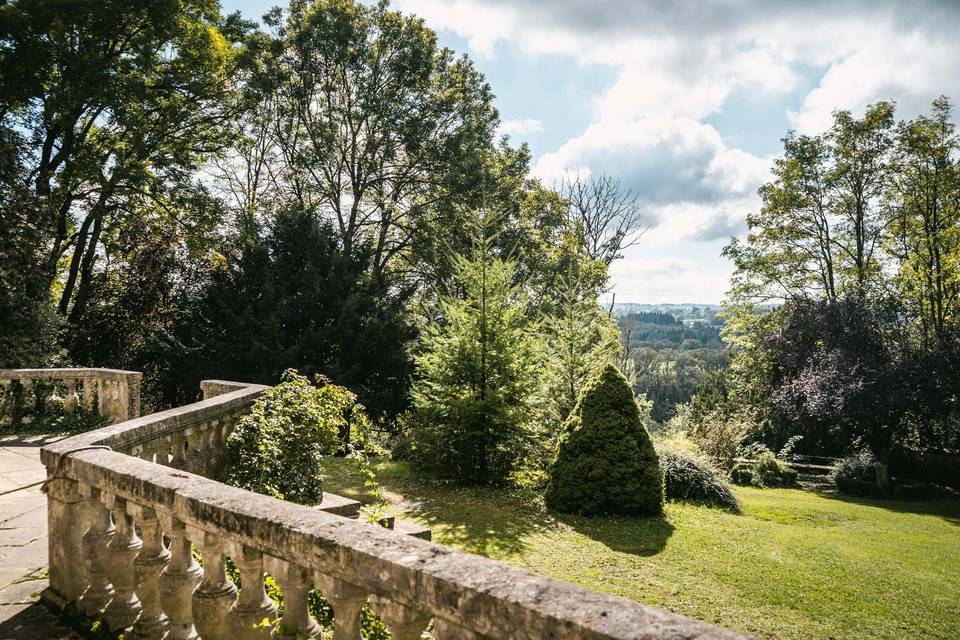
115	392
116	495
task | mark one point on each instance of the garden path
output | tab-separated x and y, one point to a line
23	542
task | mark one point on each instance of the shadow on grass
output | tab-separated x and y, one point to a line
636	536
947	507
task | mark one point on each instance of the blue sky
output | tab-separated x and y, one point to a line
686	102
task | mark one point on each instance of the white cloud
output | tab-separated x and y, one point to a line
667	279
677	64
680	168
519	127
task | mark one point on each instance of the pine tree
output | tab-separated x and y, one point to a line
581	339
478	373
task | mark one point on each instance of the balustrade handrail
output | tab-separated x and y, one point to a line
409	580
65	373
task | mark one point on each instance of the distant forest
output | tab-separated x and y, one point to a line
672	349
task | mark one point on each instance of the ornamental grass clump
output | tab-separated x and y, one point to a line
690	478
605	462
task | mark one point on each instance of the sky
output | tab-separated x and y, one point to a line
686	102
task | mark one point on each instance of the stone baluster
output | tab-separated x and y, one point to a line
178	581
153	557
347	601
403	622
70	401
216	594
67	520
444	629
125	607
88	393
99	592
102	398
253	605
29	400
295	583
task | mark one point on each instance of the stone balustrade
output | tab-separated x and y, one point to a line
115	393
127	518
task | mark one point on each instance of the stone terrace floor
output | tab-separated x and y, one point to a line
23	542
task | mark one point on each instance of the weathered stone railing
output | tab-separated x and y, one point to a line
115	392
123	520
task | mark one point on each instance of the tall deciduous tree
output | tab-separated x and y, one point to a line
120	101
608	213
374	122
925	200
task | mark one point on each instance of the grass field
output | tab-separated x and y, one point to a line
795	564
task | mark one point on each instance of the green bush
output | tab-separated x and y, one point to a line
742	474
277	449
766	471
689	478
605	461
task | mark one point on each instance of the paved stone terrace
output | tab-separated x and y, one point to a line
23	542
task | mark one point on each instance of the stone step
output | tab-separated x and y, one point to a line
339	505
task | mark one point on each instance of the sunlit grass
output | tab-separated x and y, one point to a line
796	564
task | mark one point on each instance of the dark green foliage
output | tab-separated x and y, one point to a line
606	462
28	337
277	449
292	299
689	478
478	375
742	474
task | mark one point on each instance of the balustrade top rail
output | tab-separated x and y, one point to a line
64	374
407	580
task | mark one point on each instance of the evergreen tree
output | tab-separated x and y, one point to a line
478	373
606	462
581	338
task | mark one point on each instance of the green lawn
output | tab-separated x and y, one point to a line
795	564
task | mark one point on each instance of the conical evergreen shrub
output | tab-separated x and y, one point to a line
606	463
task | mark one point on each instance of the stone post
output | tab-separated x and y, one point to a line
403	622
66	524
153	557
99	592
133	396
178	581
347	601
125	607
295	583
216	594
253	606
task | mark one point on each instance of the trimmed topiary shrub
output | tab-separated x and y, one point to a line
689	478
605	463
